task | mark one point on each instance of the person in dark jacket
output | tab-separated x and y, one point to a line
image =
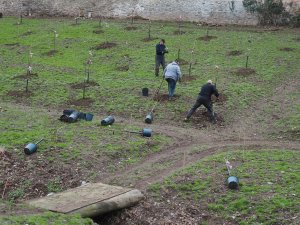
204	98
161	49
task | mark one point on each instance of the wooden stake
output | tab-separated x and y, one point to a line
190	69
26	85
247	61
178	54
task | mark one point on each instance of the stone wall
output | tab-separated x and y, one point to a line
209	11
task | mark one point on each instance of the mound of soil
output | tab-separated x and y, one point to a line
201	118
234	53
98	31
179	32
222	98
50	53
187	78
86	84
149	39
287	49
85	102
207	38
244	71
27	76
129	28
105	45
183	62
164	97
20	94
123	68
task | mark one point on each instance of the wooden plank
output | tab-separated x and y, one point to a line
80	197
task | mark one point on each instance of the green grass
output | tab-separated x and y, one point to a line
118	92
45	219
268	179
95	150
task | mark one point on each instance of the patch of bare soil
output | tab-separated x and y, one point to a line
182	61
19	172
147	39
244	71
207	38
20	94
123	68
105	45
287	49
27	33
234	53
166	211
84	84
165	97
27	76
50	53
129	28
98	31
84	102
179	32
187	78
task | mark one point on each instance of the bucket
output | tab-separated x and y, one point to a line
108	121
145	91
149	118
89	116
146	132
30	148
233	182
73	117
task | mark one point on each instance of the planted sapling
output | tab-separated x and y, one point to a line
29	68
54	40
88	65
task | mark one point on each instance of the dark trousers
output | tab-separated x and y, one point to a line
159	60
208	105
171	86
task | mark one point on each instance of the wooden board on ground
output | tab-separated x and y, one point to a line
89	200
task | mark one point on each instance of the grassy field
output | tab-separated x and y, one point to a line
268	187
122	57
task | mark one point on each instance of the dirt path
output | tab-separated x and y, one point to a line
190	145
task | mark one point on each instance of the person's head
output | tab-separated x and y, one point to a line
177	61
162	41
209	81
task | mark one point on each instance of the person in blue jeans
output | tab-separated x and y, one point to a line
172	74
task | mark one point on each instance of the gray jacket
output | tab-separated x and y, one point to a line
172	71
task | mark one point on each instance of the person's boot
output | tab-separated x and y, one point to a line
156	72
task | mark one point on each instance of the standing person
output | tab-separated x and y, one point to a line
204	98
161	49
172	74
